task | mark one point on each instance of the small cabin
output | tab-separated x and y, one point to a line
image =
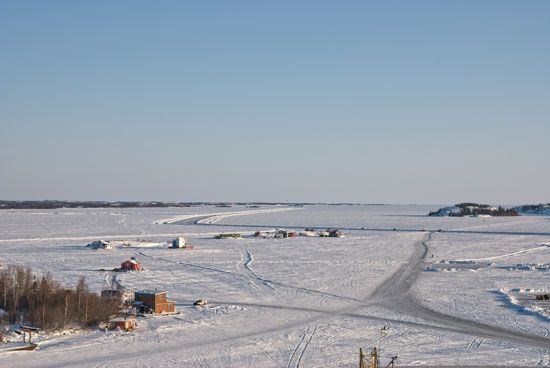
100	244
131	265
123	323
179	242
153	302
281	233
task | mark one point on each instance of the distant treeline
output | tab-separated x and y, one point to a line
55	204
476	209
465	205
533	207
42	302
86	204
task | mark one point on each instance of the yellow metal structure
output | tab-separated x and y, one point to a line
373	362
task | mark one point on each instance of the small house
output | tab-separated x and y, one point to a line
131	265
153	302
123	323
281	233
180	242
100	244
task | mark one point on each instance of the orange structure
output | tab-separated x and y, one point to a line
153	302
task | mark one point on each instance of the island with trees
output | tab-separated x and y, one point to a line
474	210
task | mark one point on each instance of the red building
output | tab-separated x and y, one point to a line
131	265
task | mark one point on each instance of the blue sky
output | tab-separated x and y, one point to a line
362	101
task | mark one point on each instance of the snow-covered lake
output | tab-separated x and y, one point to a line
395	280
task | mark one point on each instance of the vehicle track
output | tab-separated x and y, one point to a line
395	294
305	347
291	359
402	280
236	276
251	272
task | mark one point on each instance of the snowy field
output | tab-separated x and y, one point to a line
435	291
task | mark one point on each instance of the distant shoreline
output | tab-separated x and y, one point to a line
60	204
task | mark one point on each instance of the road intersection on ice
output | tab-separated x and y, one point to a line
394	294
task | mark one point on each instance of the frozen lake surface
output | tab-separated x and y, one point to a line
435	291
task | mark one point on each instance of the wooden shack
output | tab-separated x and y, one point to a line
123	323
153	302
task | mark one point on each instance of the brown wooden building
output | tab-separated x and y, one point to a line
125	324
153	302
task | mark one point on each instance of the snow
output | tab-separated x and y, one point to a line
304	301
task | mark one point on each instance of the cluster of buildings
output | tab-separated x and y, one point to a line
282	233
156	302
140	302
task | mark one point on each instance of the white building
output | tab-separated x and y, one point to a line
179	242
100	244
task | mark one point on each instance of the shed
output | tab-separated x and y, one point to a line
179	242
100	244
153	302
126	324
131	265
281	233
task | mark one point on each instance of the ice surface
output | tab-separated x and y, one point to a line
293	302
